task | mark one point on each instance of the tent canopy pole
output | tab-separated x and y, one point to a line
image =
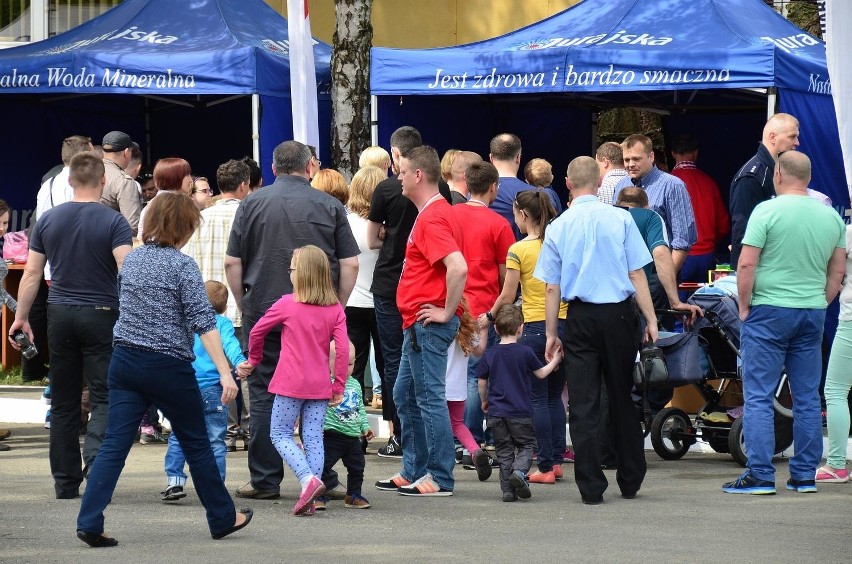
255	127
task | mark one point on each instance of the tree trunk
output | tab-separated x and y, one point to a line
350	83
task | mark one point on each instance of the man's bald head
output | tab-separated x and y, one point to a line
781	133
583	175
797	165
462	160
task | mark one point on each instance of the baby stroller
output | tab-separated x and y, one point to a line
706	356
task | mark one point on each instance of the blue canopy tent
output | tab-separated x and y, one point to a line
177	76
713	67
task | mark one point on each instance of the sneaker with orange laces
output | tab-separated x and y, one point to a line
425	486
393	483
539	477
557	471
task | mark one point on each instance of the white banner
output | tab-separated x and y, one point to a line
838	14
303	78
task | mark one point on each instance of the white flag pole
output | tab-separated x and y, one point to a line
838	14
303	78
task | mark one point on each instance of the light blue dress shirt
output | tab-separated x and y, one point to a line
589	250
668	197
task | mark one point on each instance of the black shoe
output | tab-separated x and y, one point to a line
392	450
459	454
232	448
4	447
247	512
70	494
509	497
593	500
96	541
173	493
467	462
483	465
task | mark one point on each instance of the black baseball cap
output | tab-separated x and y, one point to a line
117	141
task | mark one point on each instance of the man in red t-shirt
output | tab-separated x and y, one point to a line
711	217
487	238
428	297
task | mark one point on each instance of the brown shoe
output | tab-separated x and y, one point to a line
356	502
4	434
247	490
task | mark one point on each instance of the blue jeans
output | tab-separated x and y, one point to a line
421	401
138	378
474	418
216	421
774	338
389	325
546	397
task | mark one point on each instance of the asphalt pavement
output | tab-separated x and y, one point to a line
679	515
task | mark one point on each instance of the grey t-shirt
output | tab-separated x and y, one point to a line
78	239
274	221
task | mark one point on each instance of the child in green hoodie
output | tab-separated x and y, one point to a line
344	429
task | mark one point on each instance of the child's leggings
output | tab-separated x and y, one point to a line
285	411
460	430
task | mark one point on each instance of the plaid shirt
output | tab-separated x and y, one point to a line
207	246
607	187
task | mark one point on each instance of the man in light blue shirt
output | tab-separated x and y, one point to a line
592	257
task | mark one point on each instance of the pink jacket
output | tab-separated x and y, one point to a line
307	331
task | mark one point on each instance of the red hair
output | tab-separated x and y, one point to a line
170	172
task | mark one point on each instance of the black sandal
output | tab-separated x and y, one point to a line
96	540
247	512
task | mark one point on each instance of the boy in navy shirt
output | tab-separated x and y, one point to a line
505	374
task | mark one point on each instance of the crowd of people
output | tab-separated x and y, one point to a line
488	310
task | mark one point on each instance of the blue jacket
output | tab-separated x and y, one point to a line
205	370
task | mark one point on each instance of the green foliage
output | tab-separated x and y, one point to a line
12	377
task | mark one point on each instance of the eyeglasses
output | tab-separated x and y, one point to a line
319	162
291	270
208	191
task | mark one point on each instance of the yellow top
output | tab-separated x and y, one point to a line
523	256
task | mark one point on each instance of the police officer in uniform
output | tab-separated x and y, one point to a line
753	183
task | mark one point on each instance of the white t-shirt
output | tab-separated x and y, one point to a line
361	295
456	373
846	290
54	191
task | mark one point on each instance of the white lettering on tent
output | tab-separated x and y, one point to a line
61	76
788	44
119	78
610	77
15	80
620	37
133	33
687	76
492	80
819	86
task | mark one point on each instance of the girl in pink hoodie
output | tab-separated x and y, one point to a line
311	317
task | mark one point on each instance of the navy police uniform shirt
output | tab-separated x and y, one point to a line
751	185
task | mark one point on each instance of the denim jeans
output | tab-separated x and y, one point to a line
421	401
546	397
389	325
136	379
80	341
838	381
474	418
216	421
774	338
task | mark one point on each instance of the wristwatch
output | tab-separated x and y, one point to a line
489	316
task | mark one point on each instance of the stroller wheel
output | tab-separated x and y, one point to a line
672	433
736	442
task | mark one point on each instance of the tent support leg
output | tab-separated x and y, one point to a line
771	101
255	127
374	121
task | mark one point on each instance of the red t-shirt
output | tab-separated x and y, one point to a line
711	217
436	234
487	238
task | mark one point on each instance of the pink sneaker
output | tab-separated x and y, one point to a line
568	455
826	475
312	489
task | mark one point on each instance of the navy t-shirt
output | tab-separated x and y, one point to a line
509	370
78	239
507	189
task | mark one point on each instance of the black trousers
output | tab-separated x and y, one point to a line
514	444
361	326
601	341
36	368
80	341
348	449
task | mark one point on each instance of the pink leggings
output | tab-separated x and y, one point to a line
460	430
